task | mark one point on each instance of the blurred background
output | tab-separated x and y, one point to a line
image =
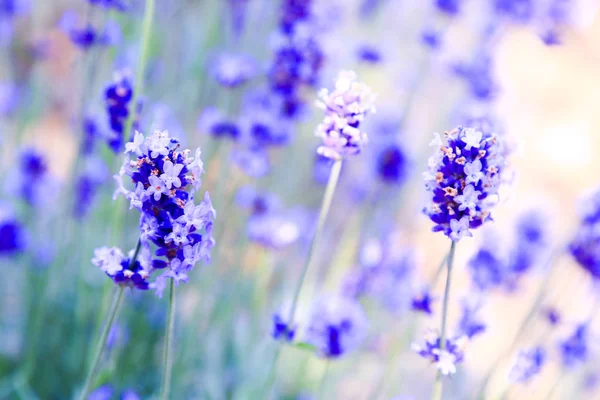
239	79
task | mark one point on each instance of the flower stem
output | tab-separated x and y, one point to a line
168	353
112	314
141	67
325	205
437	387
323	384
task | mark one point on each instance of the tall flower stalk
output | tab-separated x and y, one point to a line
110	319
345	108
438	385
168	347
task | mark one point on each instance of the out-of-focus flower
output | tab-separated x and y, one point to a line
87	36
12	234
468	155
254	161
585	246
337	326
31	180
118	95
103	392
392	164
386	275
450	7
574	349
233	70
469	324
95	172
369	54
478	75
118	5
445	360
345	108
214	122
529	363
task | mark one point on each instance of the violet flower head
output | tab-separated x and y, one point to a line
422	302
445	360
528	364
117	5
87	36
281	329
585	246
165	179
32	180
450	7
12	234
215	123
574	349
337	326
118	95
345	108
392	164
463	180
469	324
120	269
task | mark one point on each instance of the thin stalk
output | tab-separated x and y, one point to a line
438	385
325	205
323	384
112	314
141	68
334	176
168	349
537	303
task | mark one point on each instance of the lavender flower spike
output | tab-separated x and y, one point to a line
463	179
345	108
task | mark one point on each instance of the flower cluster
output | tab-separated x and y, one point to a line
345	108
463	179
165	179
585	246
337	326
298	56
529	363
126	271
444	360
118	95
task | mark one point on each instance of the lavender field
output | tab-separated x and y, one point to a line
299	199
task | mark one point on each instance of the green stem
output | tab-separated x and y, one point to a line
112	314
168	353
141	68
323	384
438	385
325	205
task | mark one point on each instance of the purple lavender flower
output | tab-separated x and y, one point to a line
457	206
519	11
369	54
574	349
444	360
120	268
450	7
32	180
422	301
552	315
529	363
392	164
87	36
118	5
531	242
118	95
469	324
585	246
214	122
345	108
478	75
103	392
233	70
253	160
12	234
337	326
281	329
165	179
